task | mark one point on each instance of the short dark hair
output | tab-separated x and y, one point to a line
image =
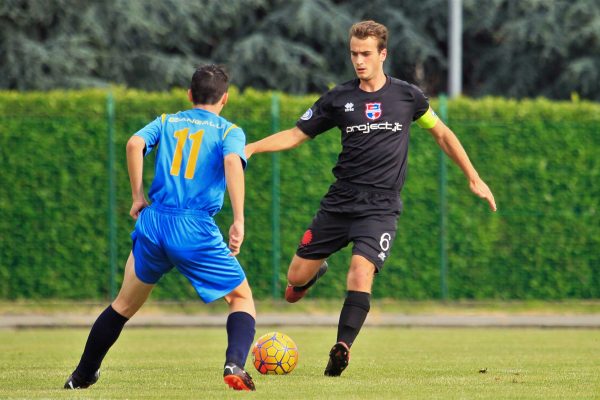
365	29
209	83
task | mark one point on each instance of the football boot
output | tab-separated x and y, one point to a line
75	381
338	359
238	379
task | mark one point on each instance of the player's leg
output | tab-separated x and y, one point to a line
358	299
108	327
373	237
354	313
301	270
201	255
133	293
240	334
327	234
302	274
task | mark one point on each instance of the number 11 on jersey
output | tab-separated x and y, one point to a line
182	137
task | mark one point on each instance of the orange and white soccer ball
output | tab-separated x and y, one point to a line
275	354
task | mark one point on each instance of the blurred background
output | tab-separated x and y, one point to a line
78	77
511	48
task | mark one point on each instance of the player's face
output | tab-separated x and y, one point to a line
366	59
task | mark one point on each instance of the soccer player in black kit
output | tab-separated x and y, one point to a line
373	113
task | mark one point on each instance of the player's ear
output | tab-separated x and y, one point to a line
383	55
224	98
190	97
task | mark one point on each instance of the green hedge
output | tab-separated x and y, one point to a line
540	158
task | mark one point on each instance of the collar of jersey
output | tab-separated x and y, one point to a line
386	85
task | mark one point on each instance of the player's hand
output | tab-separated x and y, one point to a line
136	207
482	190
236	237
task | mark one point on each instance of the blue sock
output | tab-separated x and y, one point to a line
240	334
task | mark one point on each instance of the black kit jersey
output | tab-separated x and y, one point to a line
374	127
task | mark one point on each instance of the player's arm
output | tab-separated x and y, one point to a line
283	140
135	167
234	177
450	144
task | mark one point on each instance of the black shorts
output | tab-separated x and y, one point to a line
372	235
361	200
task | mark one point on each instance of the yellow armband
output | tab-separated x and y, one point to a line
427	120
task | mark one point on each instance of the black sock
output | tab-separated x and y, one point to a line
353	315
103	335
240	334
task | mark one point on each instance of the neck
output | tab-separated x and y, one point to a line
213	108
373	84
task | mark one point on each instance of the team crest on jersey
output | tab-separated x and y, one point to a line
373	110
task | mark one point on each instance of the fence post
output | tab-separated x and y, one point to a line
112	198
443	208
275	200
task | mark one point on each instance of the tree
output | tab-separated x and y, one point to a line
533	48
298	47
42	49
513	48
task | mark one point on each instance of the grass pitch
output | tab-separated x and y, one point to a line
386	363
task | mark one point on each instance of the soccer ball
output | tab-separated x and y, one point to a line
275	354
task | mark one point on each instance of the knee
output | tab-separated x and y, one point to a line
296	278
239	303
357	281
360	279
241	297
361	275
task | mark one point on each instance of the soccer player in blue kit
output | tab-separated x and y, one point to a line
199	155
374	113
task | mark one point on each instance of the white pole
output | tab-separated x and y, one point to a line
455	48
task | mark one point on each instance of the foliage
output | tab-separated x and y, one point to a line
539	157
513	48
533	48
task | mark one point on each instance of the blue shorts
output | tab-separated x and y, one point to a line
189	240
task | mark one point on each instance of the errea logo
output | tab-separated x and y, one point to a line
349	107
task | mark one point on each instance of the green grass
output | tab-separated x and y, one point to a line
316	306
386	363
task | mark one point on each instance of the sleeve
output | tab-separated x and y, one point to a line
234	141
423	115
421	103
317	119
151	133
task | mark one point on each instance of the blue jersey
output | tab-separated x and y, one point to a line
189	167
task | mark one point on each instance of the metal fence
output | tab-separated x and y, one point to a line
543	242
